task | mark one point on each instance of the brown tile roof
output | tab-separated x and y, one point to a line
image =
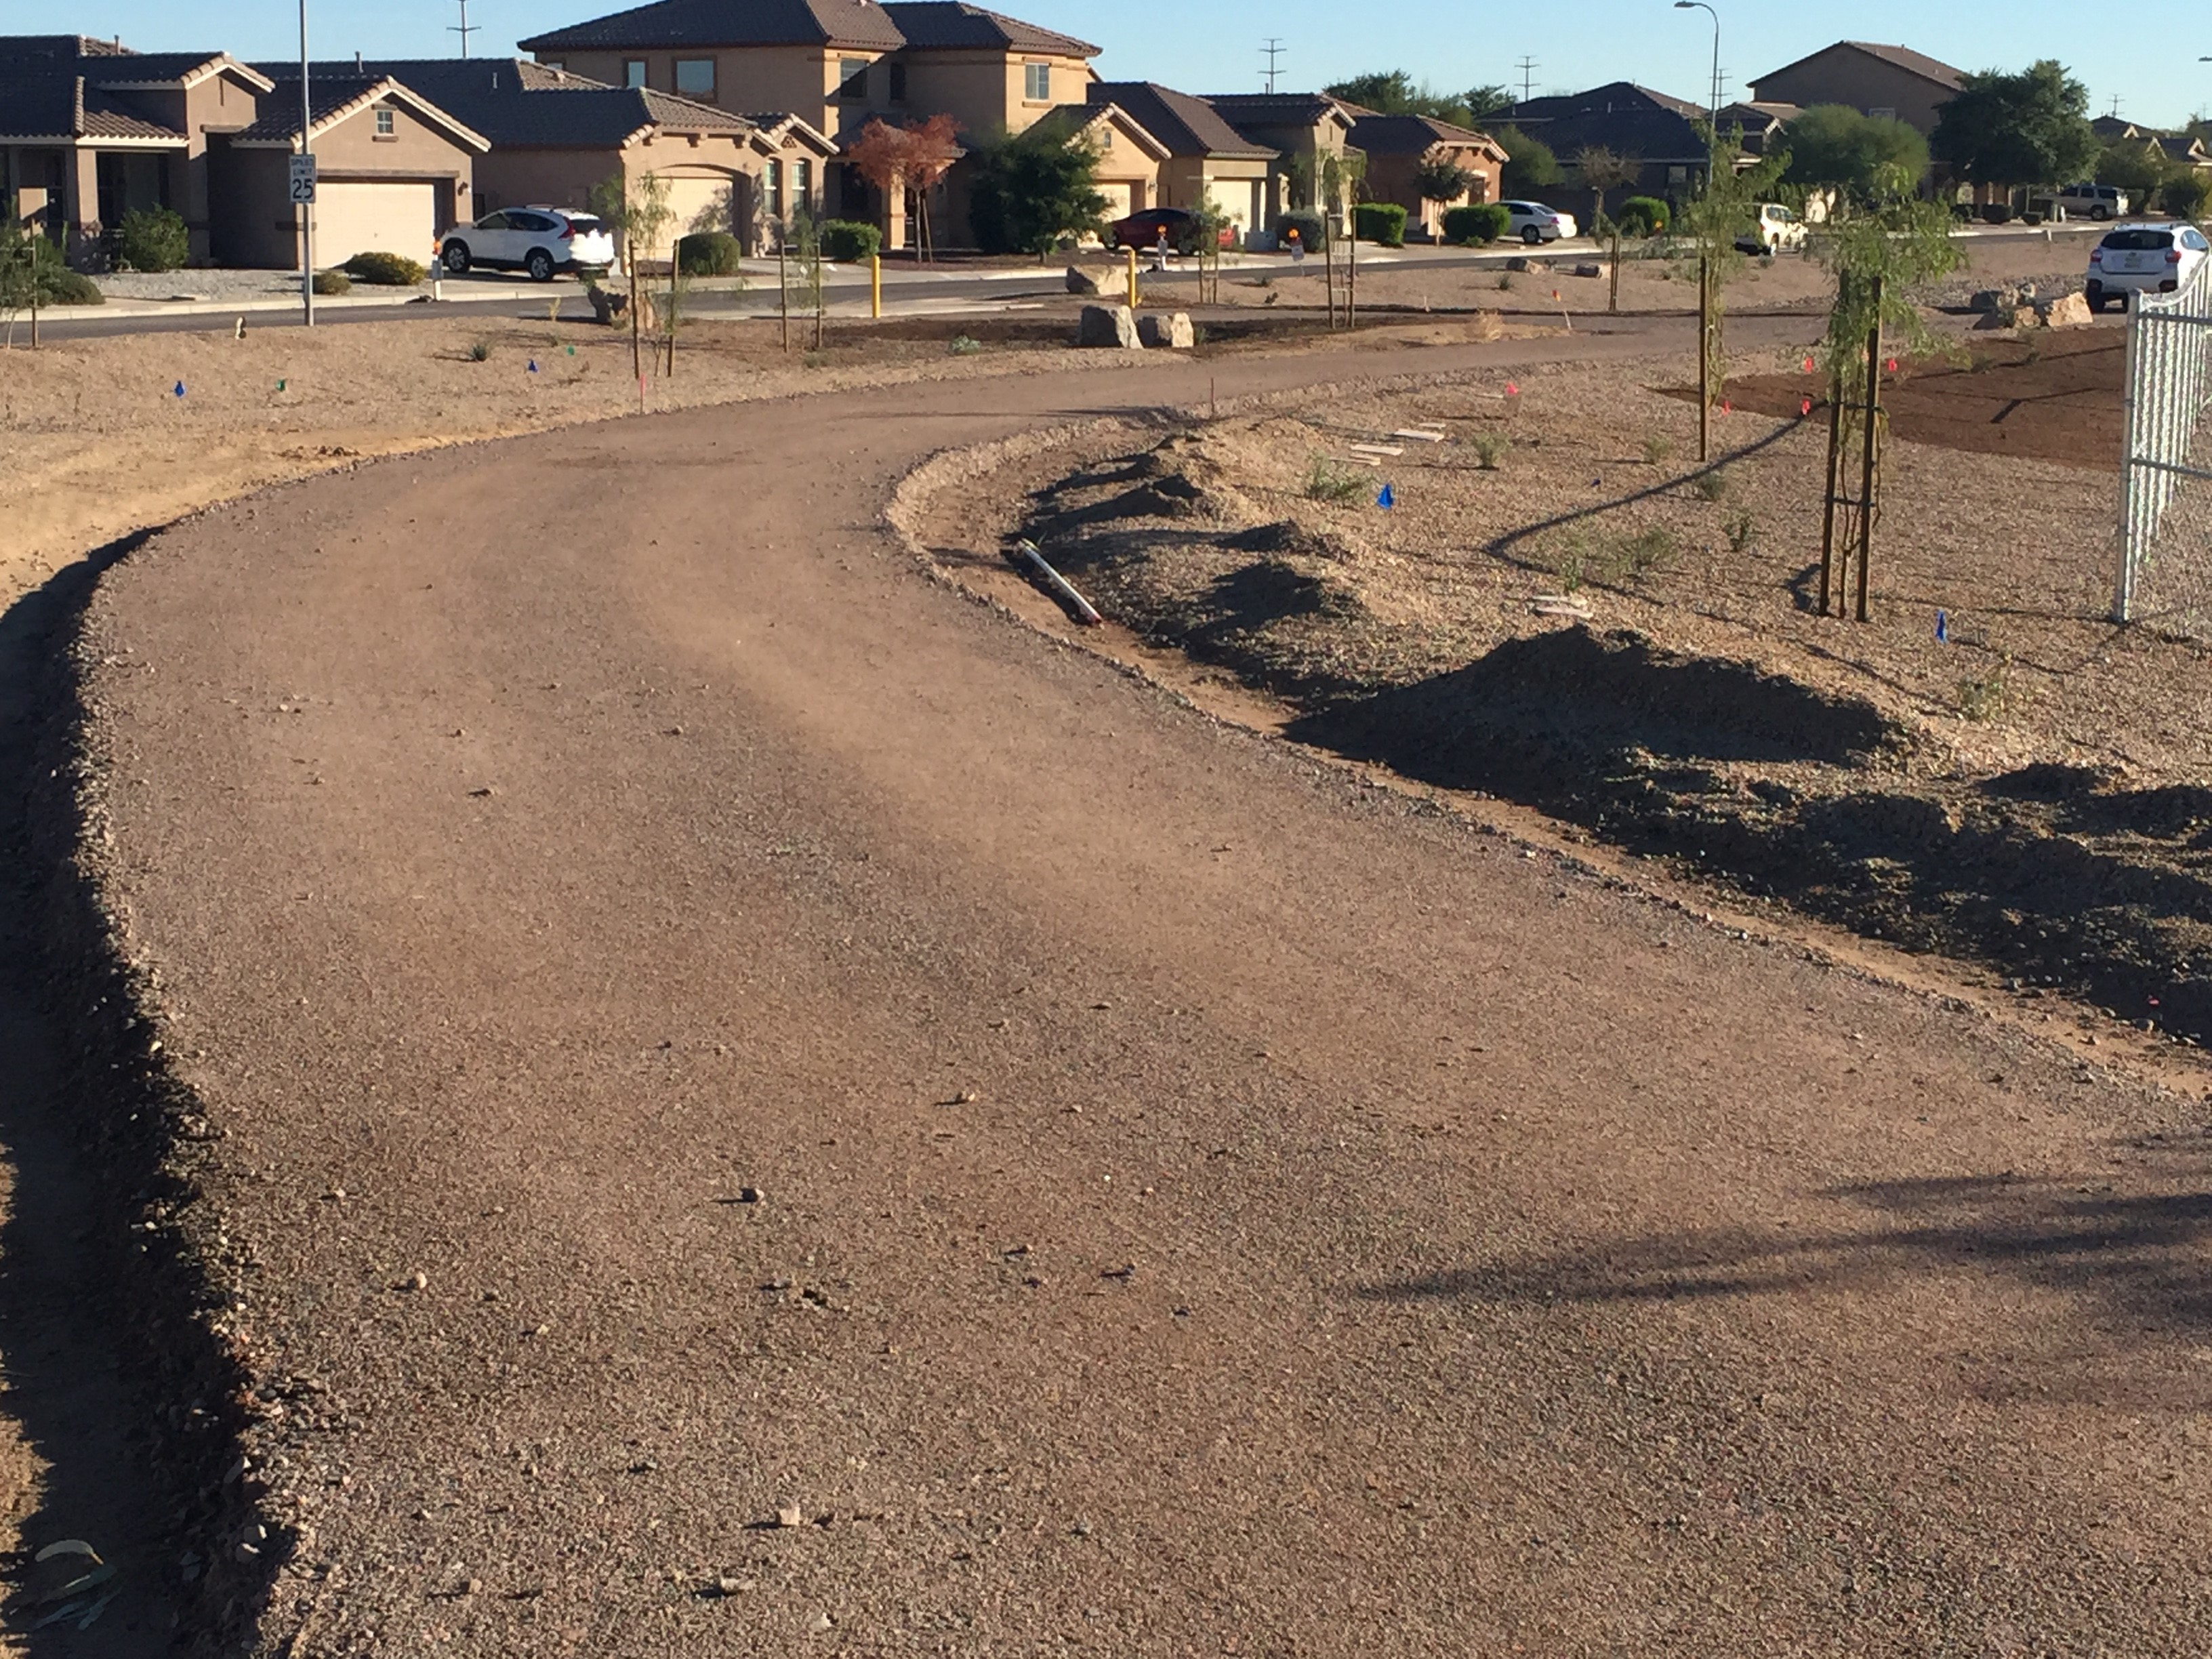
511	100
1904	57
48	102
1412	135
857	23
1187	125
952	25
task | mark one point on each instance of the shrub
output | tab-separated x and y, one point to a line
1648	549
1486	221
1328	482
848	242
64	287
1715	485
480	351
328	282
1643	215
1025	193
1489	449
1505	282
1312	228
384	270
153	238
1383	222
1987	696
2185	192
1570	561
708	253
965	345
1742	530
1658	451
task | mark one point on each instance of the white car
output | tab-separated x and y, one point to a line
1775	230
1534	222
2143	259
539	239
2098	202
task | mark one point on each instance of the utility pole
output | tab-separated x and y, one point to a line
1272	52
463	29
1527	67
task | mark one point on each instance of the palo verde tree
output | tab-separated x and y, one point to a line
2007	131
1862	159
1723	212
1028	192
1875	251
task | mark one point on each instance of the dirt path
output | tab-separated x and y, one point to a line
704	1020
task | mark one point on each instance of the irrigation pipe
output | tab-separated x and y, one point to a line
1060	584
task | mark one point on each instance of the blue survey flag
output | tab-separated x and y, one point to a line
533	365
1386	501
178	389
1942	627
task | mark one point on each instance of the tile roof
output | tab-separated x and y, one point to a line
1411	135
1187	125
928	25
1068	121
513	101
1621	116
47	102
1275	109
731	23
335	95
1904	57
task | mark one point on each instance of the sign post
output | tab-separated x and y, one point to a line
303	180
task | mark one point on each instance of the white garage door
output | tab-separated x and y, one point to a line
696	204
373	218
1117	202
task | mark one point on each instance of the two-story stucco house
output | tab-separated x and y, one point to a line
836	65
1873	79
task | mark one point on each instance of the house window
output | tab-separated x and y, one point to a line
695	76
802	184
1036	83
555	64
772	186
634	72
387	125
1883	114
852	77
898	84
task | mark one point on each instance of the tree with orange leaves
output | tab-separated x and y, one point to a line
911	159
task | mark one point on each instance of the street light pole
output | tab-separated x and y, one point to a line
1700	5
307	209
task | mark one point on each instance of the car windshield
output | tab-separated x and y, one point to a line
2138	241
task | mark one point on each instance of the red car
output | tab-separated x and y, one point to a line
1143	229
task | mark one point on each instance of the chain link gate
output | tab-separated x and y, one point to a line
2165	492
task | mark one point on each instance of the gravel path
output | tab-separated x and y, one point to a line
758	1103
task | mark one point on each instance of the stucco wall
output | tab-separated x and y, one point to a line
1841	75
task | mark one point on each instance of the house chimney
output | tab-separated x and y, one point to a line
356	62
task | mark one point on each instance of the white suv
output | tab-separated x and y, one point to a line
1775	229
1534	222
539	239
2143	259
2098	201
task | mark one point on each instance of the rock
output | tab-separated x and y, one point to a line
1522	262
1169	329
751	1196
2018	317
820	1623
2000	301
2069	311
1108	325
793	1514
1589	270
1105	284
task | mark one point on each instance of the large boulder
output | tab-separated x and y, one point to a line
1167	328
2003	301
2015	316
2067	311
1522	262
1108	325
1109	282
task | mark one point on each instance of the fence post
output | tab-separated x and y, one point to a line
2124	581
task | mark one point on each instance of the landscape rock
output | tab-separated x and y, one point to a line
2067	311
1170	329
1589	270
1080	281
1996	300
2015	317
1522	262
1108	325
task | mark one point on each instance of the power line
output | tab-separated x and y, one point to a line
463	29
1527	67
1273	51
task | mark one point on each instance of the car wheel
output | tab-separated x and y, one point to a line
1531	235
2100	213
457	257
540	264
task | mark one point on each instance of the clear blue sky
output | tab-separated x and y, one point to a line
2145	55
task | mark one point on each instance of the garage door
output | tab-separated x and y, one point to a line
696	204
373	218
1117	201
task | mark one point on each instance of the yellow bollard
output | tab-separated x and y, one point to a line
876	286
1132	279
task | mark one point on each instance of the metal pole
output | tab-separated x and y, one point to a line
2123	584
307	209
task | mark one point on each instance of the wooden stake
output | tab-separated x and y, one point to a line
783	285
1614	303
1704	358
1835	481
636	342
1867	467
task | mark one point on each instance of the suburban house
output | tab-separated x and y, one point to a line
1129	157
89	131
836	65
1665	137
1860	75
1397	147
1207	158
554	135
1307	131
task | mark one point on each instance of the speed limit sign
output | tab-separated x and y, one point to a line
303	179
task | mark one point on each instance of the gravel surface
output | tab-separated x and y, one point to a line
753	1104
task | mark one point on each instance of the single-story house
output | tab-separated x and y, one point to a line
90	131
1206	157
1397	147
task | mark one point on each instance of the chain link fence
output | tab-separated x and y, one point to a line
2164	577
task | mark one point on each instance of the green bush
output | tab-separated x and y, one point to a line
153	238
2184	193
333	282
64	287
31	267
1485	221
1312	228
384	270
1383	222
708	253
1644	216
848	242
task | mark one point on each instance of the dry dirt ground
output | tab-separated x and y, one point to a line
701	1029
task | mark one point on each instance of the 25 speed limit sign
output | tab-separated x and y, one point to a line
303	179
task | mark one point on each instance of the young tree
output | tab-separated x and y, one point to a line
1529	163
2030	129
1027	192
639	213
1865	158
932	148
1442	180
1600	170
1721	214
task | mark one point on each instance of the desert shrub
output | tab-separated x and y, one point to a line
153	238
848	242
54	283
1328	482
331	282
1647	549
1740	529
384	270
1504	281
1643	215
1569	563
1658	450
1312	228
480	351
1714	485
708	253
1490	448
965	346
2185	192
1383	222
1485	221
1987	696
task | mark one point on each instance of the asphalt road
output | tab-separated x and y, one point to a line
1123	1184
